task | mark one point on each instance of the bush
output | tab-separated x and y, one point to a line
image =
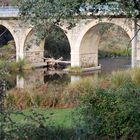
111	114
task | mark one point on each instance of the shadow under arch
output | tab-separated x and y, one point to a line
35	52
7	38
57	45
89	44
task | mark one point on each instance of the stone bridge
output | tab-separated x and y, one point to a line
83	38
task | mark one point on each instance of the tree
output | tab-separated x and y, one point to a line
45	14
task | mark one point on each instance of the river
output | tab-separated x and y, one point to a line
50	86
41	76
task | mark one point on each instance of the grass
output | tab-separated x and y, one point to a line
44	96
14	66
54	117
120	78
76	70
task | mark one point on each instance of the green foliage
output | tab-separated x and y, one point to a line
33	125
111	114
43	15
14	66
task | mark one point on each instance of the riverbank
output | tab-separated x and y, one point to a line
107	109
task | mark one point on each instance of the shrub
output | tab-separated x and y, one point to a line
111	114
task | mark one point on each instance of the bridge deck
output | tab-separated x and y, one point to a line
9	12
13	12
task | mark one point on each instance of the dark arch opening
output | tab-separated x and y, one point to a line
105	40
57	45
7	54
7	45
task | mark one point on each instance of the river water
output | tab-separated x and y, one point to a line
58	78
55	83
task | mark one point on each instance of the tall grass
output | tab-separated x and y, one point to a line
15	66
135	75
40	97
119	78
76	70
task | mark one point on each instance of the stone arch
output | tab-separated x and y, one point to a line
27	35
11	30
66	32
37	50
62	44
88	56
33	53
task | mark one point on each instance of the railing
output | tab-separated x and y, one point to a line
9	11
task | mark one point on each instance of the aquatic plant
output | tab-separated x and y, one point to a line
76	70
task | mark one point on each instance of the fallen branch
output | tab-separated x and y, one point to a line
55	62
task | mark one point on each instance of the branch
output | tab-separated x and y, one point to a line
134	36
3	33
138	24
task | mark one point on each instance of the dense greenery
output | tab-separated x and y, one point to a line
112	113
108	109
36	125
44	15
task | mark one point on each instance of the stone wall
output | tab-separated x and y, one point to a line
89	59
34	56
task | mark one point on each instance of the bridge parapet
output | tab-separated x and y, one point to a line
9	12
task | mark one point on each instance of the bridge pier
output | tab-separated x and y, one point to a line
134	56
136	43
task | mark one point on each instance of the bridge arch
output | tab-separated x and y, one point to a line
11	30
33	52
7	37
58	45
89	40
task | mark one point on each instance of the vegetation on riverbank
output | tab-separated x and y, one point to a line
60	97
8	59
14	66
107	109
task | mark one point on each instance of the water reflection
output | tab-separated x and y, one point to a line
39	77
114	64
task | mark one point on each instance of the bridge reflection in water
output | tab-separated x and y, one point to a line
57	78
39	77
